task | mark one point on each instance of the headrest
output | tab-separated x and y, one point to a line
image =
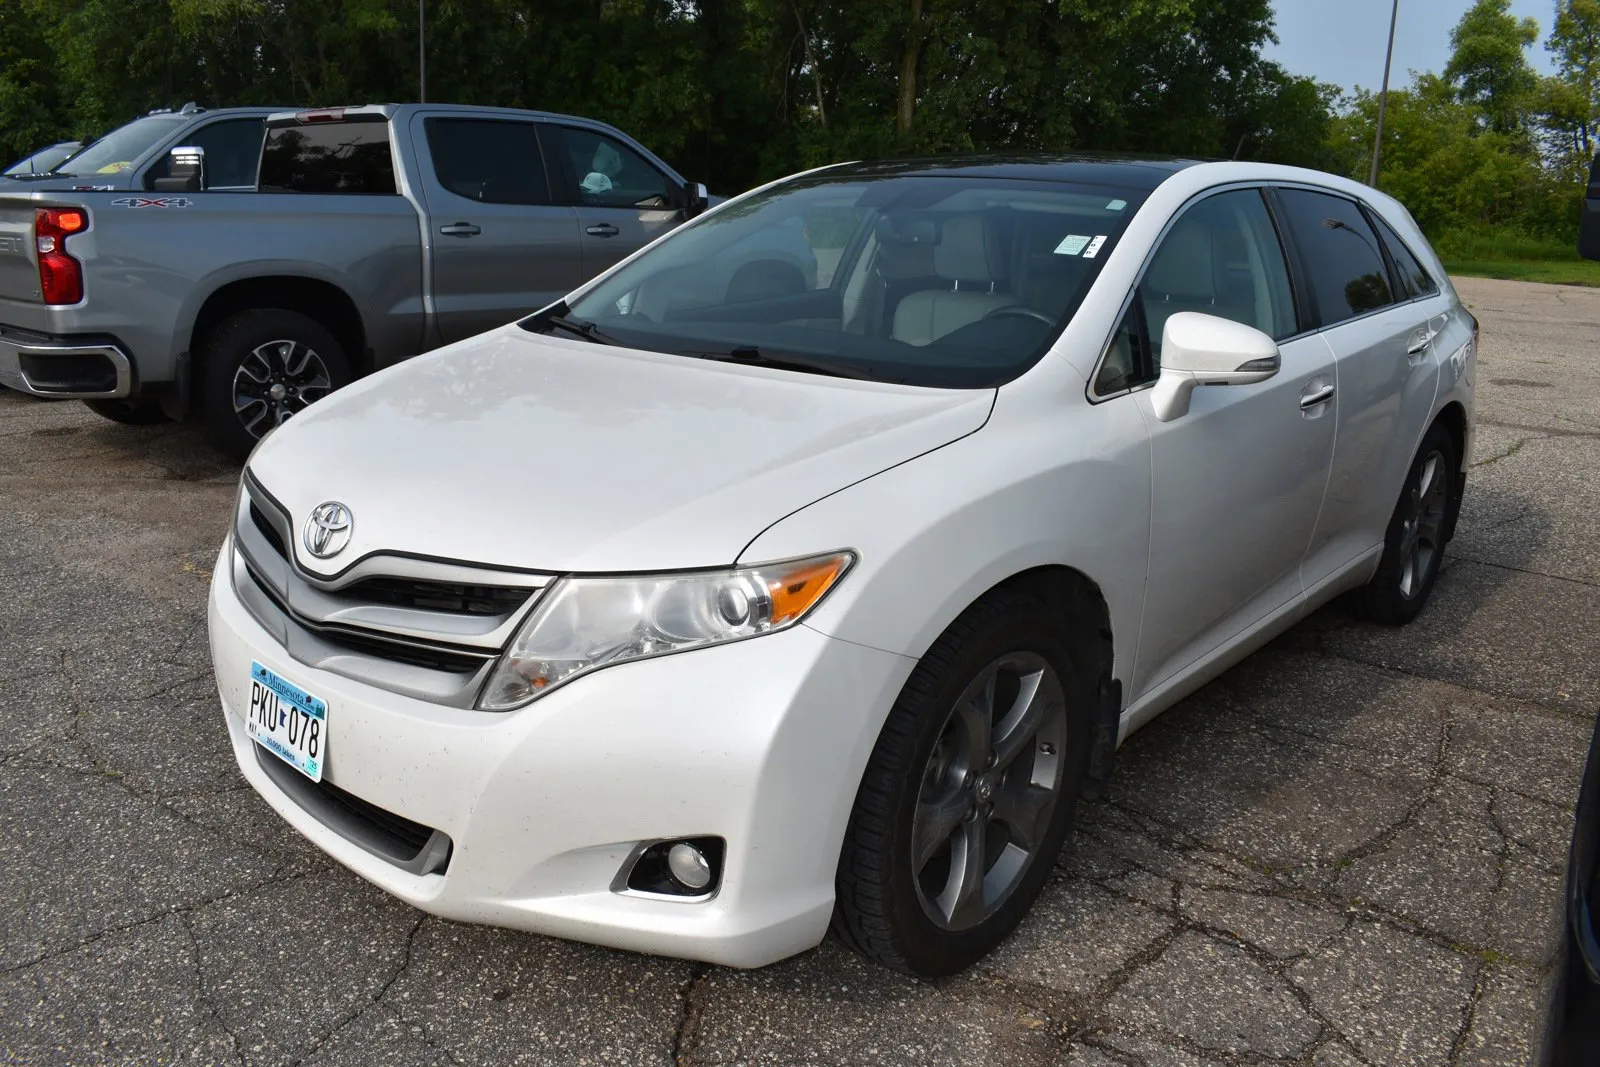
1183	268
969	250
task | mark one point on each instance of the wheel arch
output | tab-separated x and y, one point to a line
315	298
1453	417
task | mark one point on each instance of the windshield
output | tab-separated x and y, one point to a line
44	160
116	151
958	282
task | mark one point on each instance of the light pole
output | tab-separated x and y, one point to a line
1383	96
422	58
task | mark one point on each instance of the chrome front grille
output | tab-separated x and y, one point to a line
422	628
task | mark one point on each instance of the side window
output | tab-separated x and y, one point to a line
610	174
1414	280
233	152
1341	252
491	161
1221	257
328	157
1124	365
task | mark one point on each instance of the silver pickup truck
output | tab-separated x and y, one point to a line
366	235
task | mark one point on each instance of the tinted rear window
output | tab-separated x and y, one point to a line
332	157
1414	280
1348	274
489	160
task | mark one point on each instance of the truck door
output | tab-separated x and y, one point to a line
623	200
499	246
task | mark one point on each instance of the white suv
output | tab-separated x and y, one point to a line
699	612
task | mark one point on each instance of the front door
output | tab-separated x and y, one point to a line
500	246
1236	483
623	200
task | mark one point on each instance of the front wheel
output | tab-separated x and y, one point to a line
1413	547
971	789
259	368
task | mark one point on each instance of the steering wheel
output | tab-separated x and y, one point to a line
1021	311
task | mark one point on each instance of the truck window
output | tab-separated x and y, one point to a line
328	157
233	151
488	160
610	174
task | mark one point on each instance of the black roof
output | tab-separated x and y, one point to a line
1125	171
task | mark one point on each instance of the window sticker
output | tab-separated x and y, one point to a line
1116	205
1071	244
1094	246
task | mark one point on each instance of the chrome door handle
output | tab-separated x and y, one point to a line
604	229
1321	396
1420	344
460	229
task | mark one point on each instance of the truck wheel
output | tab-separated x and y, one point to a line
128	412
258	368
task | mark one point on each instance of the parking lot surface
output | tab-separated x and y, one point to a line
1348	850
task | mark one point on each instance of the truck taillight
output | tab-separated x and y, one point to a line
60	276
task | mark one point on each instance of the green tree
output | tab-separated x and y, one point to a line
1488	63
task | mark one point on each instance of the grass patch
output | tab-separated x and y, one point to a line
1508	254
1557	272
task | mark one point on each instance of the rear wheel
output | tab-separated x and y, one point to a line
129	412
1413	548
971	789
259	368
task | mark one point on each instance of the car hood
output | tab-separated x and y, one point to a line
520	450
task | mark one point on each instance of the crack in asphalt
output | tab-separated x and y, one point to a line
377	998
203	992
177	909
692	997
1524	570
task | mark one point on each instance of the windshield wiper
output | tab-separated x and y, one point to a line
753	356
584	329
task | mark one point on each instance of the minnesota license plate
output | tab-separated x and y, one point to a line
287	721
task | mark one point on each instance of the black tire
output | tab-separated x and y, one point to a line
257	336
129	412
1413	547
881	909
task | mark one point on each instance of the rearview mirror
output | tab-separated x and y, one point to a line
1201	349
695	199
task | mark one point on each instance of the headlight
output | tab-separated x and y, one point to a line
583	624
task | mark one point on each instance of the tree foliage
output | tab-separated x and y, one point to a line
731	91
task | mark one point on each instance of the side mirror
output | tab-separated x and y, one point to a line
1201	349
695	199
186	172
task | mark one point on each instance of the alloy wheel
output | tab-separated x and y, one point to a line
275	381
1423	525
988	791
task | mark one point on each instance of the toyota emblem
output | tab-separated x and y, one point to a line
328	529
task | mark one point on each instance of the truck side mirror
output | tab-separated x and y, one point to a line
186	172
695	199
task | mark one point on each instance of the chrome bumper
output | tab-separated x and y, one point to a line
64	369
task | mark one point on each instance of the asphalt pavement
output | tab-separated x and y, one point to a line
1348	850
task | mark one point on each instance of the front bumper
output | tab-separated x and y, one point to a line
761	742
64	367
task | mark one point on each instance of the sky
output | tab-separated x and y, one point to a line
1342	41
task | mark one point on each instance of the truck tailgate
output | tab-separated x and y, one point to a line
19	270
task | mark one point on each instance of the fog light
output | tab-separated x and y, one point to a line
689	866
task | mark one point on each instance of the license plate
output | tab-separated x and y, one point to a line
287	721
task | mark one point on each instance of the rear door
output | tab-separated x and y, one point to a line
500	247
623	200
1388	370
